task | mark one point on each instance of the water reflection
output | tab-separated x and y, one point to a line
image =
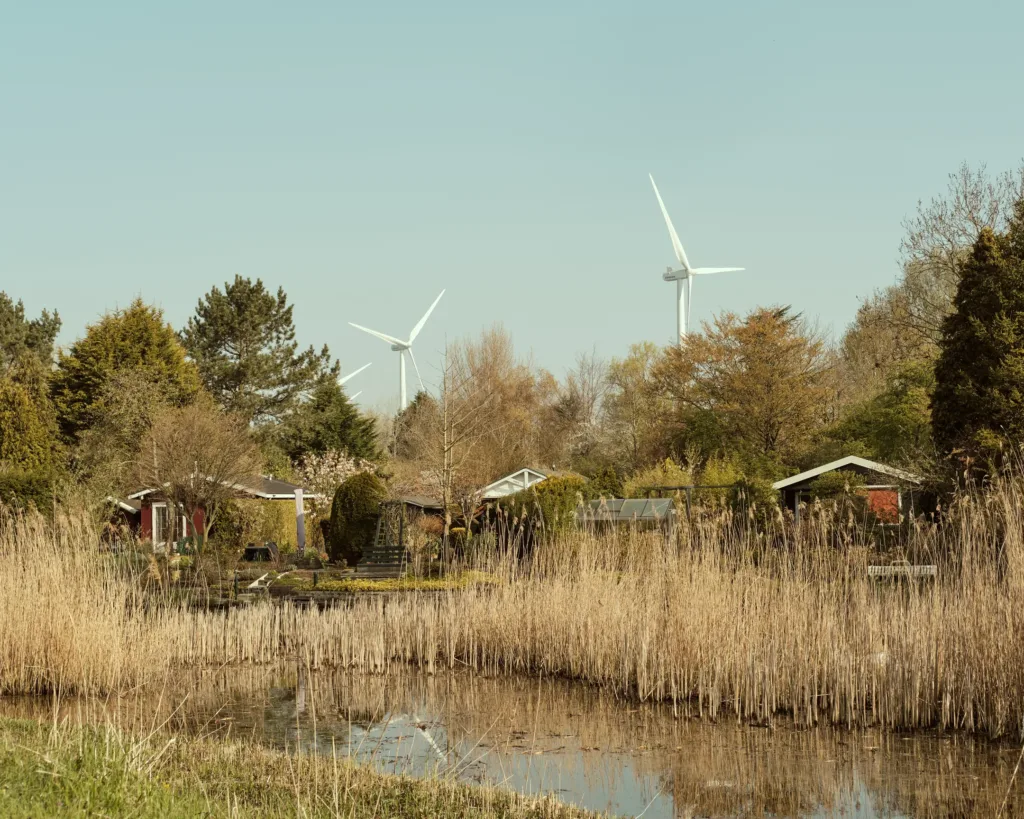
585	746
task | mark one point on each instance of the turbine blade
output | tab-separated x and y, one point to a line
354	397
381	336
676	244
707	271
352	374
416	367
419	325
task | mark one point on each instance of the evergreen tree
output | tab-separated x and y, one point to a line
978	403
19	335
243	341
133	339
28	425
328	421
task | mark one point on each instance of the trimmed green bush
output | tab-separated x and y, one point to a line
354	515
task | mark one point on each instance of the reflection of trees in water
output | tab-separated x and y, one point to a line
715	770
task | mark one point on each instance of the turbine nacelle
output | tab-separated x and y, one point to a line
402	347
684	273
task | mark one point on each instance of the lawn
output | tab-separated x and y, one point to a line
79	772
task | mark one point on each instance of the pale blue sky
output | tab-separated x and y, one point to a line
365	156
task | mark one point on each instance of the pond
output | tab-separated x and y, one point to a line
584	746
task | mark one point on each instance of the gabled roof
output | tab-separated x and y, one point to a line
849	460
520	479
420	501
258	487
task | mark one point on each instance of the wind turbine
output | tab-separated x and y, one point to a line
403	347
684	274
344	378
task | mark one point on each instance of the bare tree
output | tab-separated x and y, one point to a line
198	457
448	436
939	235
579	405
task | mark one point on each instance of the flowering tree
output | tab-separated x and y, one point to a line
321	475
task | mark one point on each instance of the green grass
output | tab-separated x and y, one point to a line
80	772
304	582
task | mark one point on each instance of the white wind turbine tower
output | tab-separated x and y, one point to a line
403	347
685	273
344	378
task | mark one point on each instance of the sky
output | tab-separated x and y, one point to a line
367	156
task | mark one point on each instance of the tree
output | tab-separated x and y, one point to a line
901	326
755	387
577	411
243	341
491	380
328	421
106	451
197	455
19	335
894	426
354	515
978	404
133	339
635	409
322	475
26	430
939	238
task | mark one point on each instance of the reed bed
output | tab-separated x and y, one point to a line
719	617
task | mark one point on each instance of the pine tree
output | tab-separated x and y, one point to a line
978	405
243	341
19	335
328	421
133	339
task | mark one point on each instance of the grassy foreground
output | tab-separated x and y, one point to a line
73	772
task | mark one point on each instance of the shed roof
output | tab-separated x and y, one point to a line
615	510
259	486
510	484
848	461
420	501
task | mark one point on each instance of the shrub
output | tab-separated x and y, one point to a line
666	473
249	520
605	483
25	490
550	504
354	515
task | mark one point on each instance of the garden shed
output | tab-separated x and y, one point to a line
885	485
150	512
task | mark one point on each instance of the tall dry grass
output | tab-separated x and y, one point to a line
720	618
69	617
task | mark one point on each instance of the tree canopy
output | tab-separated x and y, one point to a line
242	338
136	338
27	428
978	404
327	421
755	386
19	335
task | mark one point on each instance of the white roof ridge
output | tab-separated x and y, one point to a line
849	460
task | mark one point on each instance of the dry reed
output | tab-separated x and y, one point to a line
717	619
